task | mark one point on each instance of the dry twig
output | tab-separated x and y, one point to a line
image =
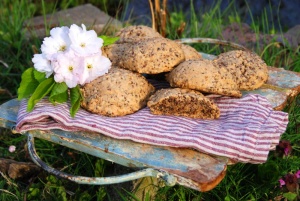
4	64
159	16
9	182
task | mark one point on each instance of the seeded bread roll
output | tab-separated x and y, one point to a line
115	52
190	53
249	70
152	56
203	76
183	102
136	33
117	93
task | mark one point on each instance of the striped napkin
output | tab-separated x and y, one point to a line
246	131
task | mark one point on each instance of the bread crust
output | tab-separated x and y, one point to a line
136	33
190	53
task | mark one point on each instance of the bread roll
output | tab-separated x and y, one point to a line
183	102
117	93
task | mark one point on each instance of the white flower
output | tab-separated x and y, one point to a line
73	55
67	69
42	64
58	42
12	148
93	67
84	42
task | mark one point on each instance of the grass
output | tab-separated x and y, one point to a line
242	181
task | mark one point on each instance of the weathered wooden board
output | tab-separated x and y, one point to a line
281	87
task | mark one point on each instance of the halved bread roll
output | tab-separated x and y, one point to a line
183	102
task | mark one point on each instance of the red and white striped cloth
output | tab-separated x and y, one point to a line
246	131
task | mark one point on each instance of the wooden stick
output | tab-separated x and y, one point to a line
152	14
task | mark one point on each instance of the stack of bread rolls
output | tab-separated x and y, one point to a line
142	51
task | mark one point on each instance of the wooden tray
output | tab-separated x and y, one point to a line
185	167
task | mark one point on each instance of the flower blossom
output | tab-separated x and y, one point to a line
67	69
84	42
93	67
73	55
42	64
12	148
290	181
281	182
58	42
284	148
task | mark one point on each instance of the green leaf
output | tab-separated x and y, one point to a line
290	196
85	196
28	84
41	91
75	100
33	193
59	93
39	76
52	179
227	198
61	191
99	167
108	40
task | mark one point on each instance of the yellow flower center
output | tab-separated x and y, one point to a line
82	44
89	66
70	68
62	48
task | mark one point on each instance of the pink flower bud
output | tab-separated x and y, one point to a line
282	182
12	148
298	174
